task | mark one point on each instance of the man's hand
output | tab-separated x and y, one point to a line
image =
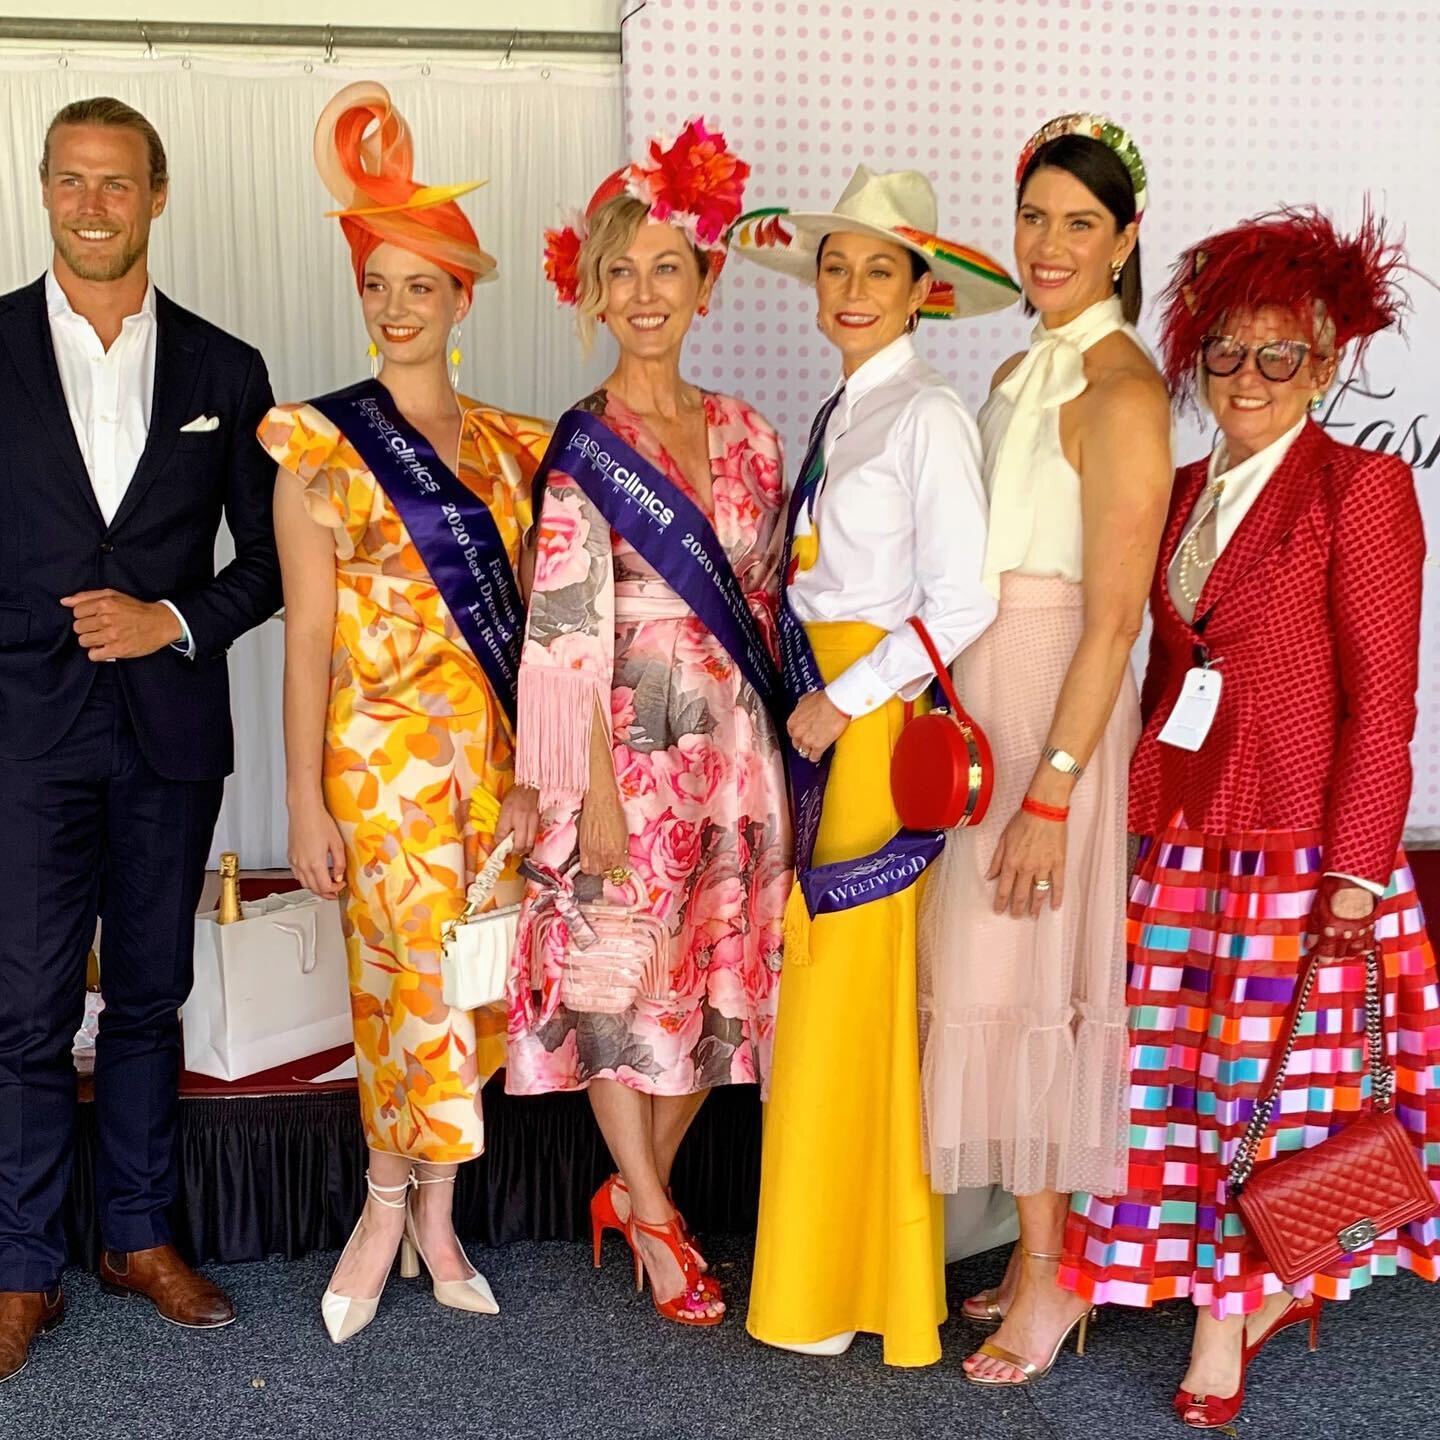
112	626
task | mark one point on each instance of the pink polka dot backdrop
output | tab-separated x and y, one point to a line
1235	107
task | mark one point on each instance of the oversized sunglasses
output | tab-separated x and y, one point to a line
1277	360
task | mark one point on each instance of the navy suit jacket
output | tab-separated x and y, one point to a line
160	545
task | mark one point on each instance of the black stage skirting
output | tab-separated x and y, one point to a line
284	1174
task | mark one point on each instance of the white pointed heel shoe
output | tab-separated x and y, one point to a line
831	1345
474	1293
347	1315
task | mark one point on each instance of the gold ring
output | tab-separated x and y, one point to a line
617	874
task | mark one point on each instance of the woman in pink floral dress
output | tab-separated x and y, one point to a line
683	802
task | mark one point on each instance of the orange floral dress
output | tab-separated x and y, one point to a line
418	753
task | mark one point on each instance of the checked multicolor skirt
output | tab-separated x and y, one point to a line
1215	931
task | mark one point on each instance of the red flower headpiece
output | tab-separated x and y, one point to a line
1340	288
695	183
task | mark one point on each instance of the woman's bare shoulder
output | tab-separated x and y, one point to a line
1005	371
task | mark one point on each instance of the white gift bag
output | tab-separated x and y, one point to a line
270	988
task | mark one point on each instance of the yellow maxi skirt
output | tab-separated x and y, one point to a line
850	1236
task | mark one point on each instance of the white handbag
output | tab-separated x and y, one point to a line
476	948
270	988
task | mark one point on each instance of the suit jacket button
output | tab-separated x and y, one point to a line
106	547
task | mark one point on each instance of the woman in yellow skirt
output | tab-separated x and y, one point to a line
887	522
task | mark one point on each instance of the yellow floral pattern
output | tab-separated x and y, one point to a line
418	753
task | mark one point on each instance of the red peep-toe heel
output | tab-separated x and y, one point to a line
603	1217
1212	1412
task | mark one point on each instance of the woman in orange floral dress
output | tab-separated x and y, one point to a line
399	747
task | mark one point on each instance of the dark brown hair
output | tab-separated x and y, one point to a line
1102	172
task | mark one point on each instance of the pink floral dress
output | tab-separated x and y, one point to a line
699	768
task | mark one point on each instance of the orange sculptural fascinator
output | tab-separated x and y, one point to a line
365	156
694	182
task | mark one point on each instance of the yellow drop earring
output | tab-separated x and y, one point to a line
373	351
455	358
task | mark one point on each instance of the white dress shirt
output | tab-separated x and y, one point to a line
1244	484
901	519
108	394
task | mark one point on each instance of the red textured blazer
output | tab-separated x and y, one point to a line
1312	616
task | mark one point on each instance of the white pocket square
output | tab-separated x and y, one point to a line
201	423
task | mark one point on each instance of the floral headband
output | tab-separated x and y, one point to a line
1093	127
694	183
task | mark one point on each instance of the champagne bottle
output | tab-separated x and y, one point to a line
229	910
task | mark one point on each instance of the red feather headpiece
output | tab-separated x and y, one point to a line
1340	288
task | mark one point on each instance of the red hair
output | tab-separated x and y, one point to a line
1341	289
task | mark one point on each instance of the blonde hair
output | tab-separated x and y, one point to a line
612	228
106	110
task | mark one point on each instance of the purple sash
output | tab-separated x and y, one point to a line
452	528
672	534
895	866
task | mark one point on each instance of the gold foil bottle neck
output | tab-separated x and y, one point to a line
229	909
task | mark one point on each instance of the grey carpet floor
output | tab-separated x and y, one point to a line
577	1353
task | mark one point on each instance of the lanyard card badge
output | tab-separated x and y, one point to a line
1194	711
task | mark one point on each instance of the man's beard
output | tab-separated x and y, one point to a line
97	267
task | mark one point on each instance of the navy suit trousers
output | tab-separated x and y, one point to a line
91	829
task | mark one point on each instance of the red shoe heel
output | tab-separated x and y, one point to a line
689	1307
1211	1412
603	1217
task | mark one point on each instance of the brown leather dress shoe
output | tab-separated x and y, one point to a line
180	1295
24	1314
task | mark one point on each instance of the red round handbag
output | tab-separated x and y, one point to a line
941	774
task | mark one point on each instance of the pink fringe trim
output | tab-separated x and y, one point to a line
552	744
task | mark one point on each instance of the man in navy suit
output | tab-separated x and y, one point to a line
129	433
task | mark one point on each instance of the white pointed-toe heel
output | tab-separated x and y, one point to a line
473	1293
831	1345
347	1315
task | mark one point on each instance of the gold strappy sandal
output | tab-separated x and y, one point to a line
1029	1371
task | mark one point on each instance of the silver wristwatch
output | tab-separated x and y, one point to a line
1063	761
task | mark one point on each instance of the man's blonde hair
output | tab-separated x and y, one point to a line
106	110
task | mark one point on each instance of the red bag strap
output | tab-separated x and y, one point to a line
942	671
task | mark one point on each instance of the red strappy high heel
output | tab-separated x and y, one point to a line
689	1306
1210	1412
603	1217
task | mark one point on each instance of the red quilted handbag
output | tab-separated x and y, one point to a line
941	774
1317	1205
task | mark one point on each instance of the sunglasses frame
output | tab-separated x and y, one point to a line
1246	351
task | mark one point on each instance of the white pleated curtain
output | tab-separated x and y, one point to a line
244	242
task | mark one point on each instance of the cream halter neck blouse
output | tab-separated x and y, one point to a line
1034	491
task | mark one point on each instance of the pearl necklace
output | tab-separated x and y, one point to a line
1192	563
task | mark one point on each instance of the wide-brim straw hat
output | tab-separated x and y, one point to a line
897	206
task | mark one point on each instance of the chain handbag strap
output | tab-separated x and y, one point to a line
1382	1077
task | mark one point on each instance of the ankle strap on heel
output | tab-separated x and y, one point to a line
418	1178
379	1192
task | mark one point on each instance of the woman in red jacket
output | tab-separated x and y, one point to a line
1269	799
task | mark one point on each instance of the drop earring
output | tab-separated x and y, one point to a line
373	351
1115	271
1316	401
455	357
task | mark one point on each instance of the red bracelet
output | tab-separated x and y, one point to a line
1045	812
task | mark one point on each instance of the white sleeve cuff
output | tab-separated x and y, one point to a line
186	643
1378	891
858	690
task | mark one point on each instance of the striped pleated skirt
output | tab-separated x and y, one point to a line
1215	936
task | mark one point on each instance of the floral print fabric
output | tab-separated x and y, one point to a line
418	754
699	770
